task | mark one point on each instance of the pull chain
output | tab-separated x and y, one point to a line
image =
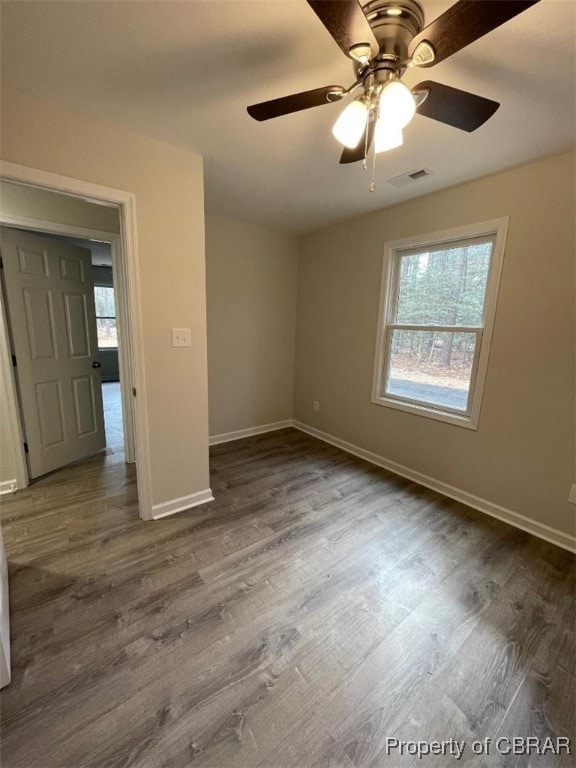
372	186
367	133
365	161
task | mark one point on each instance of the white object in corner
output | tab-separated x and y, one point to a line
180	504
8	486
542	531
4	619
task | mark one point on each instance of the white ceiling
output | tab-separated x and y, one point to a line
184	72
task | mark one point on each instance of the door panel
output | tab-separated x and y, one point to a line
71	270
77	325
50	413
84	405
33	263
52	321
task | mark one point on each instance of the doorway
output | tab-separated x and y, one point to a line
124	263
65	334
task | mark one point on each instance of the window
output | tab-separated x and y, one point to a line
436	315
105	317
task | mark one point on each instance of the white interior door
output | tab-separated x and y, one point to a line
50	298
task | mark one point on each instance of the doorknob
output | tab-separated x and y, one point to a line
96	364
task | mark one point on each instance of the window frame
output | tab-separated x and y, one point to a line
496	230
100	283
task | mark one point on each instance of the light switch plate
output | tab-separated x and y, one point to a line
181	337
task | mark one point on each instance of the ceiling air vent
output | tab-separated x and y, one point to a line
410	178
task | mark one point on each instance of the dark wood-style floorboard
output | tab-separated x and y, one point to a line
317	607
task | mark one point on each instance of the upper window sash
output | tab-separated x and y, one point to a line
398	254
457	242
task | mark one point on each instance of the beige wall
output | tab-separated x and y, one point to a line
251	281
19	200
168	185
522	456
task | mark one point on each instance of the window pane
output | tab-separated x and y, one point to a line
431	367
104	300
105	316
446	286
107	335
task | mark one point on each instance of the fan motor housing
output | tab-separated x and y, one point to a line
394	24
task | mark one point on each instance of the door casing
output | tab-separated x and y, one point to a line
126	276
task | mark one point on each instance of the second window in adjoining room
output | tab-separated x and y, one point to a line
105	317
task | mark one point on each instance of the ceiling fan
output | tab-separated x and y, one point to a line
384	38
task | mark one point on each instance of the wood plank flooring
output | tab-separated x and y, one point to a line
317	607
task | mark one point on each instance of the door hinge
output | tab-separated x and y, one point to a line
14	361
133	391
26	448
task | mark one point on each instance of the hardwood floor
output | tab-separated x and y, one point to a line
318	607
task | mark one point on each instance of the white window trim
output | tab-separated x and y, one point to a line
99	284
496	228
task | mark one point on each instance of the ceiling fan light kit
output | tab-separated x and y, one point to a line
383	38
396	104
350	126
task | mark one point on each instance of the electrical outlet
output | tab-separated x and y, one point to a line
572	496
181	337
316	406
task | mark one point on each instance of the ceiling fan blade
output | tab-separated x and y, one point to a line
346	22
459	109
359	152
465	22
296	102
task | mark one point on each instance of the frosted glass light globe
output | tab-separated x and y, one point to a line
397	104
386	136
349	127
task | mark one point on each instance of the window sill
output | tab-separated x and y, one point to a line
429	412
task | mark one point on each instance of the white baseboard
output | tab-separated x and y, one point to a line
178	505
227	437
8	486
546	532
